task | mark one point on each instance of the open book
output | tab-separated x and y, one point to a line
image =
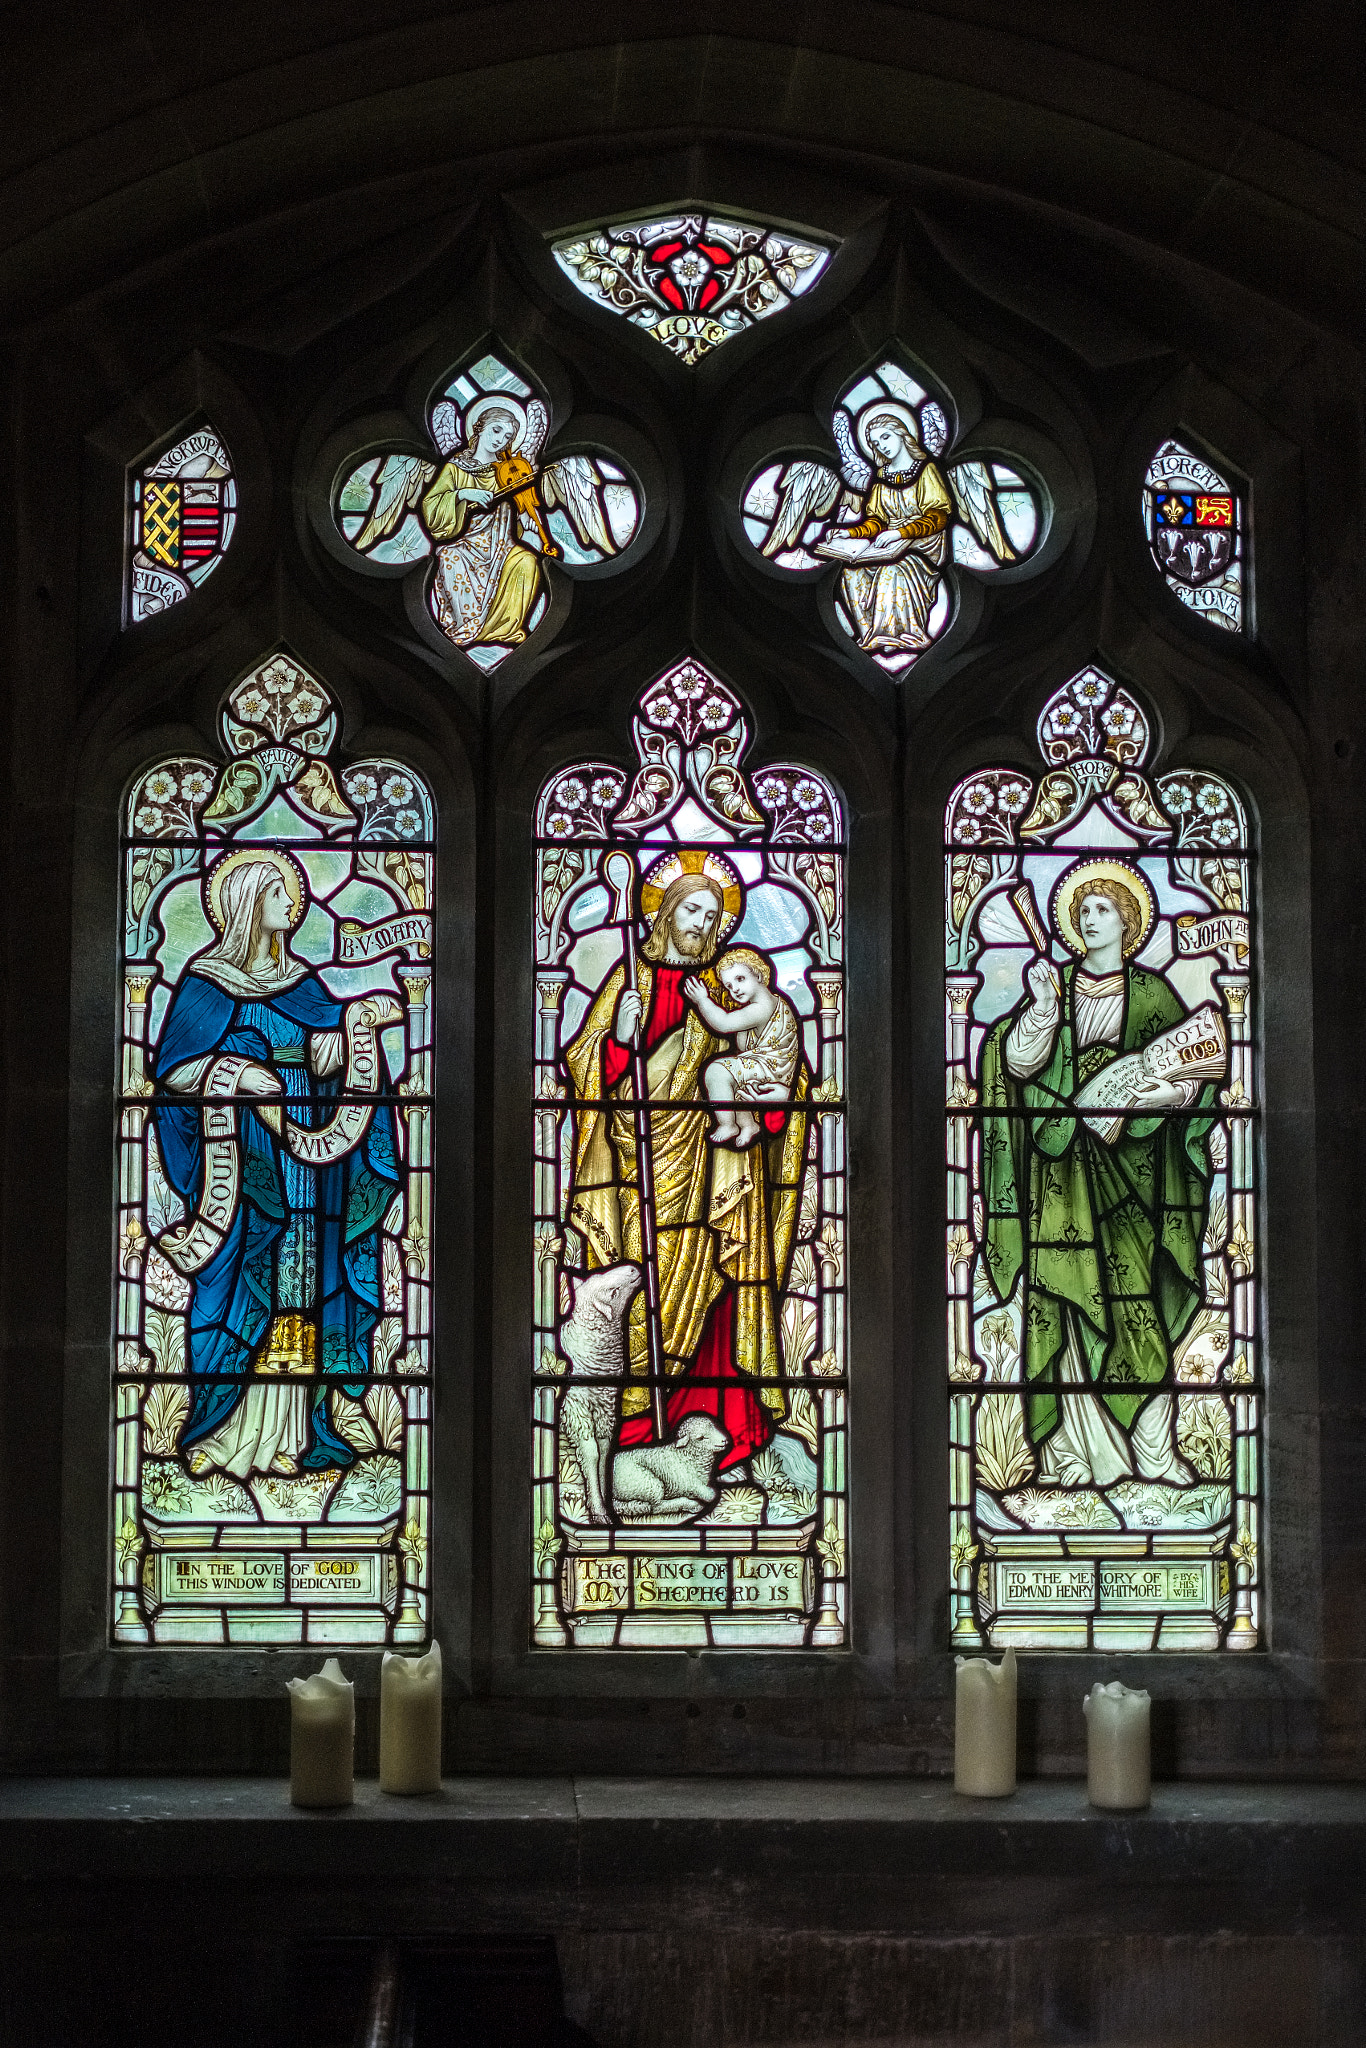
1192	1051
856	550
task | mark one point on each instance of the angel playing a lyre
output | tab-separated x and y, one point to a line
487	509
888	516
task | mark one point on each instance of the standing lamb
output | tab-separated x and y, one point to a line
594	1342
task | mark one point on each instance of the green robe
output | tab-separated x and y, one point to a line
1112	1230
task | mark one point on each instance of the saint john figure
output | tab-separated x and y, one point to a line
282	1313
1106	1234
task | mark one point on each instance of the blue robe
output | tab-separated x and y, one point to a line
304	1238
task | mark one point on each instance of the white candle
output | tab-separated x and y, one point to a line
984	1727
322	1738
410	1722
1118	1747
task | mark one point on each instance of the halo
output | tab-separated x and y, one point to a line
876	410
497	402
695	860
1100	871
289	871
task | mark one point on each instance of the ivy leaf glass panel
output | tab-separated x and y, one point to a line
687	1363
272	1364
1105	1359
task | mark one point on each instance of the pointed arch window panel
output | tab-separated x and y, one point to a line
899	518
489	512
692	280
181	512
687	1357
1103	1118
272	1363
1195	522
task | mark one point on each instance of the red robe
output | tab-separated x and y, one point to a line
711	1384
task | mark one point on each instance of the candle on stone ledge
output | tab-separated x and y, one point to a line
1118	1746
984	1727
410	1722
322	1738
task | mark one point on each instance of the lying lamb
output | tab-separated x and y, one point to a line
594	1342
669	1482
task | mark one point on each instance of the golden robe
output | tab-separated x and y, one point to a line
723	1218
486	581
890	603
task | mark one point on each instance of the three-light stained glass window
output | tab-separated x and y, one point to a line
272	1362
688	1366
1102	1107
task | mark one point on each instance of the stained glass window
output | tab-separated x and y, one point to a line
489	511
1105	1375
688	1361
894	516
272	1295
694	279
1194	521
181	512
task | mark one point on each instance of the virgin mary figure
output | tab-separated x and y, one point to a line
486	578
283	1242
1102	1233
896	552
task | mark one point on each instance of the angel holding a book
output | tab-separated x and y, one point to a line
1097	1094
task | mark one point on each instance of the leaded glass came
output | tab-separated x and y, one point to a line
1194	522
1105	1375
181	512
272	1363
688	1365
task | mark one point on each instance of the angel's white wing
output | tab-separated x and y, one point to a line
537	427
808	491
857	473
974	494
446	426
934	428
574	485
400	483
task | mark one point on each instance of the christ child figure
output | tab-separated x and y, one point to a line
767	1039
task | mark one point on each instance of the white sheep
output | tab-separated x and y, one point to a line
593	1339
669	1482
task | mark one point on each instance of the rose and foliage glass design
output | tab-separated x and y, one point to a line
1105	1373
688	1357
1194	523
272	1293
693	280
893	516
489	511
181	512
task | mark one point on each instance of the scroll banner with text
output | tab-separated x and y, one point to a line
1212	934
358	943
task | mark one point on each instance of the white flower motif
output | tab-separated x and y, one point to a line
978	799
572	793
1090	690
252	706
818	827
559	825
1223	832
605	789
715	714
1178	798
396	789
806	794
362	786
688	686
771	790
661	710
1212	799
690	268
278	678
1065	719
1118	719
967	831
195	786
160	787
305	706
408	824
148	819
1012	797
